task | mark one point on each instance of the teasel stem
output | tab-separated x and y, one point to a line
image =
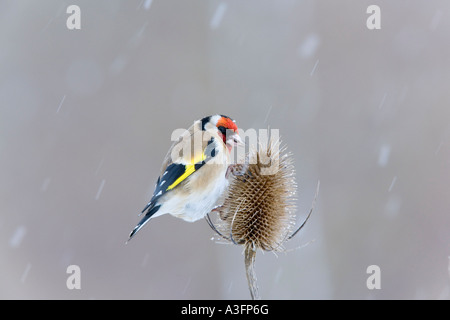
250	257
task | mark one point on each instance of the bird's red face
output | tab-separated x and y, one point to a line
228	131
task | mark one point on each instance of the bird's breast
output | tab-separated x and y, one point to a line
206	192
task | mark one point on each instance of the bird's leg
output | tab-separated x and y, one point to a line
219	210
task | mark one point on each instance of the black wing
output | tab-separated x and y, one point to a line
176	173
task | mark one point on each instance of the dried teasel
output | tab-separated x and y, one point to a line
259	209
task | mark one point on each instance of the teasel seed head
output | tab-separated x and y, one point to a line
259	208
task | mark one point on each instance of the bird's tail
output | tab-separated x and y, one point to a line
151	208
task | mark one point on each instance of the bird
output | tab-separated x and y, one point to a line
194	173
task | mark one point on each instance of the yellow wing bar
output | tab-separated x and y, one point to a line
188	170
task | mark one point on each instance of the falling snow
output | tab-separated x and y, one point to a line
99	166
25	273
118	65
17	237
309	46
314	68
145	260
383	100
61	103
392	183
230	286
393	206
435	20
439	147
187	285
218	16
147	4
278	275
267	114
448	266
383	156
45	184
100	189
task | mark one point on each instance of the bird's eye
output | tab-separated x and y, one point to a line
222	130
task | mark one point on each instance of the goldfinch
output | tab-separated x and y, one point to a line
194	172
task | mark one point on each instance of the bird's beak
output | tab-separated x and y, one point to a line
235	140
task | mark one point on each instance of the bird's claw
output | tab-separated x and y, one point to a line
235	169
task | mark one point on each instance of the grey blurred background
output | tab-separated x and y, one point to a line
86	117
